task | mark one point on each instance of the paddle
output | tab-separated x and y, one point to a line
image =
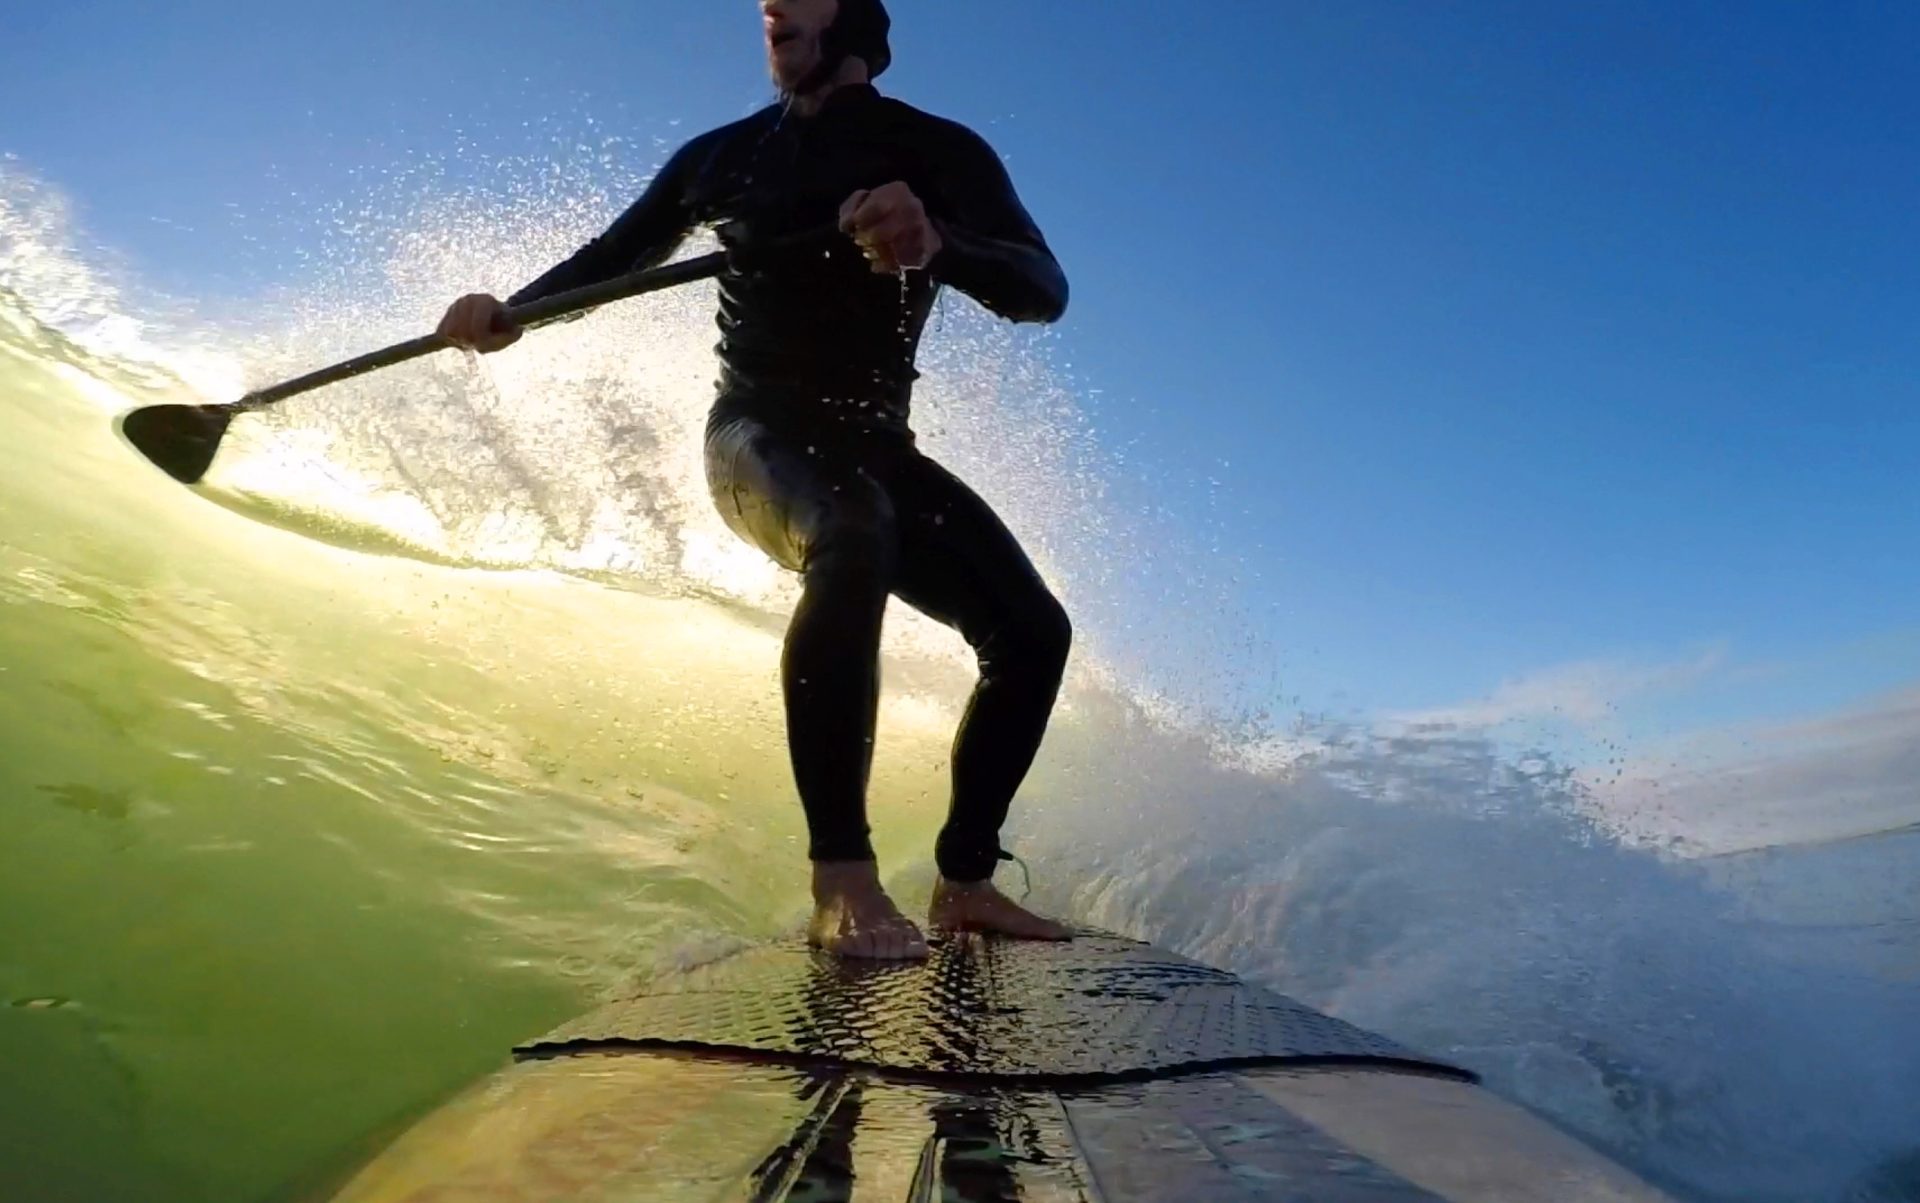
181	440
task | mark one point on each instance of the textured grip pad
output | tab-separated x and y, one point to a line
1098	1008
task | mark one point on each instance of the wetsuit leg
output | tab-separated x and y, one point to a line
815	510
959	564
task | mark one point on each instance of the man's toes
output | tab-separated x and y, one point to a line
863	945
1039	927
885	942
904	942
1048	929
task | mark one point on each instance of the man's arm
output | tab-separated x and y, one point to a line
640	238
991	249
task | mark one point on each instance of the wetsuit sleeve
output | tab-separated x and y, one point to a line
640	238
991	249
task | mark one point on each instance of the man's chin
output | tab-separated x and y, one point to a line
788	71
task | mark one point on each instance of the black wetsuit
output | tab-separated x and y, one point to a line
809	453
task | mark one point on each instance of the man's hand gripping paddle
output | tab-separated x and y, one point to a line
182	439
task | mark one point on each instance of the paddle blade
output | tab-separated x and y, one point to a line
180	439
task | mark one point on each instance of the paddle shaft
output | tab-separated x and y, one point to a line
529	316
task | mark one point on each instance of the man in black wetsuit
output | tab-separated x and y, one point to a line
808	451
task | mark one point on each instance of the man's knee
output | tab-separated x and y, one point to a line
1052	634
1034	643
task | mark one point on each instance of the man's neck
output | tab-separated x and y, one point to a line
852	72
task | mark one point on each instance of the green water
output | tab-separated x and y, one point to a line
298	838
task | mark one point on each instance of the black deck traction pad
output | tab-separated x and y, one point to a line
1096	1009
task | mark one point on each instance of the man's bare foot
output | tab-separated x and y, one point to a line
980	906
853	917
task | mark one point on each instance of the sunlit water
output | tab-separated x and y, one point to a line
448	706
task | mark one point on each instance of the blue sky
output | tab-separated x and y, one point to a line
1529	343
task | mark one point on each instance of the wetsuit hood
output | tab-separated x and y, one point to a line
860	30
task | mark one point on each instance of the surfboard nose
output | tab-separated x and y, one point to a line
1100	1070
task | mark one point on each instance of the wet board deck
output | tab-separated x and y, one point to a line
1097	1070
1095	1008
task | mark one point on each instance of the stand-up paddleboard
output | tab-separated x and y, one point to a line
1096	1071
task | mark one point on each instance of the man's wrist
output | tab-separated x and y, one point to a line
942	256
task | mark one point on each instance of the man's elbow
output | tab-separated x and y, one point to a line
1056	306
1048	304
